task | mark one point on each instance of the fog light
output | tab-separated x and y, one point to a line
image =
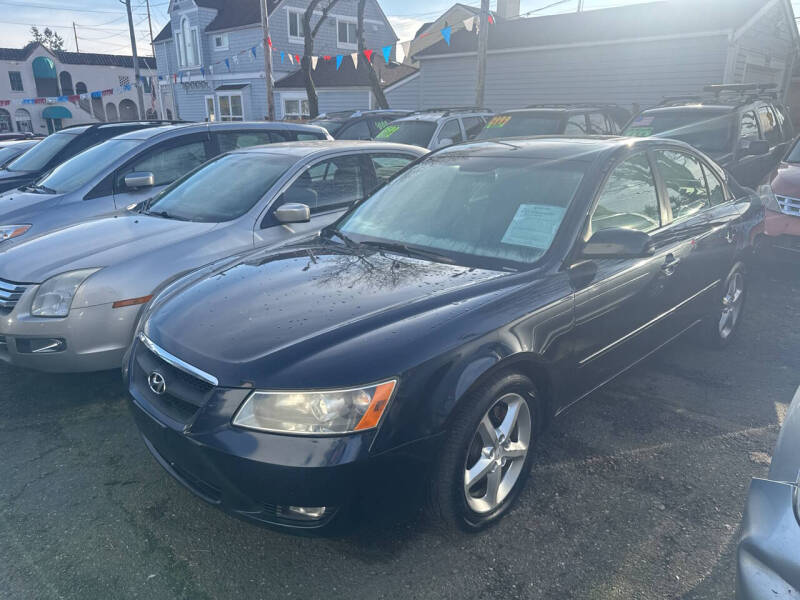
309	513
40	345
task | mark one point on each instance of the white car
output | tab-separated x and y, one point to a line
436	128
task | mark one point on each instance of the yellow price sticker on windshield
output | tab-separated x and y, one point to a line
387	132
498	121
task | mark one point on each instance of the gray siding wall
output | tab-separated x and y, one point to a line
330	101
640	72
406	95
766	46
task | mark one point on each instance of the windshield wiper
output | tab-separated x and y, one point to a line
165	215
39	188
349	242
411	251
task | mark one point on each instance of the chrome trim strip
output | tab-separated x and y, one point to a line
177	362
638	330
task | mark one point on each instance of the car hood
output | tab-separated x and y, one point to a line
785	180
97	243
785	464
16	205
262	318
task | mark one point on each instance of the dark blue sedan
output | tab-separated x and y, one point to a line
444	321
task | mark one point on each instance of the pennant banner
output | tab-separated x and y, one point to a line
339	58
446	31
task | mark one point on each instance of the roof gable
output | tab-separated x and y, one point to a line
660	18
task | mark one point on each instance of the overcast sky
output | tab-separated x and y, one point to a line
102	24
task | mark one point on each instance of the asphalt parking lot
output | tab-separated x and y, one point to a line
636	493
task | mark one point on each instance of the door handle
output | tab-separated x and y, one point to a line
669	265
730	235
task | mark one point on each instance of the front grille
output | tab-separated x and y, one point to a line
184	395
10	293
789	206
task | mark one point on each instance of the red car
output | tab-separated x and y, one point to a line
780	230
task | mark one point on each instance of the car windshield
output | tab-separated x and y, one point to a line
709	131
9	152
331	125
223	189
486	210
83	167
416	133
521	124
41	154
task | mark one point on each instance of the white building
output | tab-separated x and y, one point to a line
36	72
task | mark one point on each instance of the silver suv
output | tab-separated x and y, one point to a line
436	127
128	169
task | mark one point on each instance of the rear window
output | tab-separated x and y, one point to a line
416	133
39	156
709	131
329	124
519	125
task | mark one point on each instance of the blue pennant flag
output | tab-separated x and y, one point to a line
97	94
29	101
228	63
387	52
161	78
283	54
62	99
253	50
127	87
203	71
446	34
339	58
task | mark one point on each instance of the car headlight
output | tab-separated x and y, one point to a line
54	296
768	197
11	231
316	412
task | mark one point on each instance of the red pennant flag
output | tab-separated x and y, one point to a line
74	98
5	102
491	20
327	57
297	58
108	92
368	54
269	42
40	101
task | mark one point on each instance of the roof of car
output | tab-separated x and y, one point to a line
552	147
308	148
702	108
439	113
344	115
149	133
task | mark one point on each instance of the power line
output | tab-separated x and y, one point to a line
51	7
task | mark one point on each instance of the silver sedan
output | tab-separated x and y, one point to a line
768	558
69	300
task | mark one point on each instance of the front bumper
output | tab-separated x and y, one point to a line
249	474
768	559
92	339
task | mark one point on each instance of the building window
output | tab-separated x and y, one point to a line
5	121
221	41
186	38
296	108
230	107
347	34
16	81
211	112
23	119
296	26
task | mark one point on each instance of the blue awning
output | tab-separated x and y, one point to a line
56	112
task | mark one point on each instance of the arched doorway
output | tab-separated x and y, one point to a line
111	112
66	83
23	120
44	74
80	88
128	111
5	121
97	109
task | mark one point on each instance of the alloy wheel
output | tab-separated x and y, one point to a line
731	306
497	453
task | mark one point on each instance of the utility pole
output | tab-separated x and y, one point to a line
267	60
483	44
75	31
580	5
139	91
153	50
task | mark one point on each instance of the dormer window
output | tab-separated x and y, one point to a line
188	48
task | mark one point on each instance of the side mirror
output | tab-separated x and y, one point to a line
293	212
139	179
617	242
755	148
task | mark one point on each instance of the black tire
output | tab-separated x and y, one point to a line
713	333
447	501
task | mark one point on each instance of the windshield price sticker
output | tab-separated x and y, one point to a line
387	132
642	121
639	131
534	225
499	121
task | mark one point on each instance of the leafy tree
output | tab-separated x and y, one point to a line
47	38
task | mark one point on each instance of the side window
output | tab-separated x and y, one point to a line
451	130
232	140
629	198
685	183
576	125
769	125
716	191
597	124
473	126
749	126
328	184
386	165
356	131
611	126
167	162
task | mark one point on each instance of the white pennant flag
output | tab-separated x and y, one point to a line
291	59
405	48
314	60
469	23
354	56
